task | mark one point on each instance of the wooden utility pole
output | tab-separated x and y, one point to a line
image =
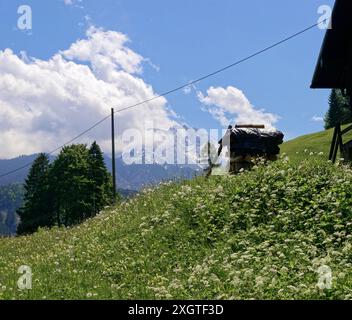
113	152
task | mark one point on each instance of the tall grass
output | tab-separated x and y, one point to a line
263	234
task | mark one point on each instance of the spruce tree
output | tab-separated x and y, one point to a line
71	184
101	184
37	209
347	112
339	111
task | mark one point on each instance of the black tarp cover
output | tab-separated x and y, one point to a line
257	142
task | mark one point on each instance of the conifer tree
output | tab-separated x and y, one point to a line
70	183
339	111
101	186
37	209
75	187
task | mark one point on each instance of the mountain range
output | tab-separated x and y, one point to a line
129	177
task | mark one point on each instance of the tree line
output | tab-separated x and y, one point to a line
74	187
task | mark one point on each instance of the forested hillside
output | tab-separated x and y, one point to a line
11	198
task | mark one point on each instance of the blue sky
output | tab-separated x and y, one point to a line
186	39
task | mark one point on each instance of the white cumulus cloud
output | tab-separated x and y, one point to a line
71	2
230	105
317	119
44	103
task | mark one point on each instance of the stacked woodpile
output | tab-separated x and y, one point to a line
249	142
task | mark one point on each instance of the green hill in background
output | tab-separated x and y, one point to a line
301	147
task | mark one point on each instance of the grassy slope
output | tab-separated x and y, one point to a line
316	143
262	234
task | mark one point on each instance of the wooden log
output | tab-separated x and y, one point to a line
250	126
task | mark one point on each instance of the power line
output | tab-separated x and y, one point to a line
58	148
166	93
224	68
